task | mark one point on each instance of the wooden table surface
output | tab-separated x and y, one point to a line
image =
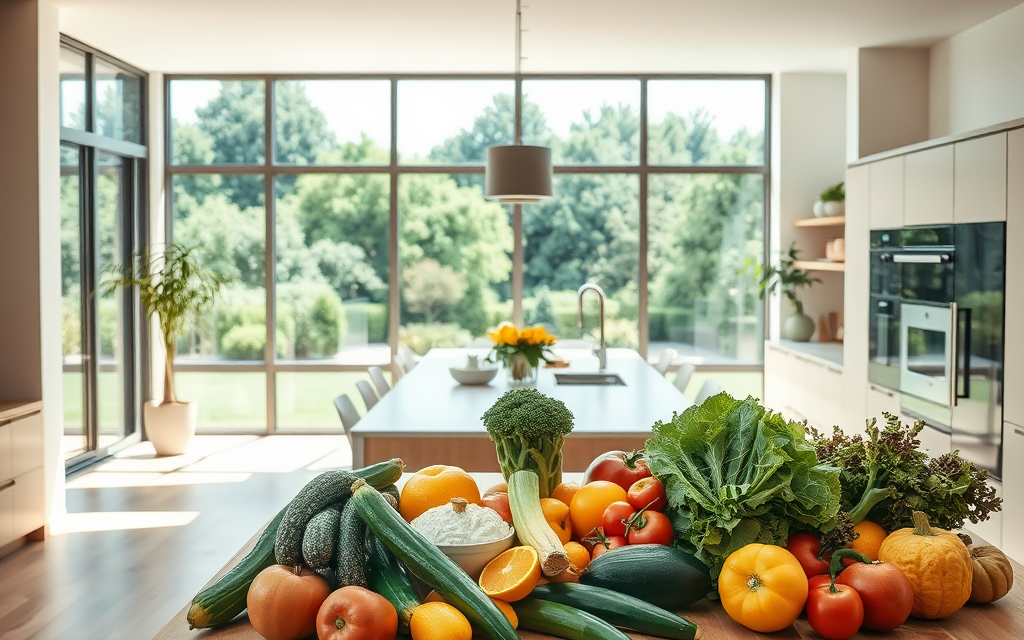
1002	620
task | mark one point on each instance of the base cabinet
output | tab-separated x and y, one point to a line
1012	542
803	388
22	496
933	442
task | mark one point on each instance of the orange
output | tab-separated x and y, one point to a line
565	491
439	621
556	513
579	558
512	575
509	612
434	486
589	503
870	539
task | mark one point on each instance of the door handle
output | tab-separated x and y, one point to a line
922	258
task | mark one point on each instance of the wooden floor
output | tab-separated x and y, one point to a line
144	534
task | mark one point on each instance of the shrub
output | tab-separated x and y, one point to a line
424	337
314	319
376	322
244	342
544	312
471	311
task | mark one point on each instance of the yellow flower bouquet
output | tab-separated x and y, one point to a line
521	350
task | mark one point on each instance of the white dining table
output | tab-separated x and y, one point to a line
429	418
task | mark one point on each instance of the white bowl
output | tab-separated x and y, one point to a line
474	376
472	558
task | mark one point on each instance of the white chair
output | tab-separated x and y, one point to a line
407	358
348	414
665	361
683	375
708	389
369	395
377	375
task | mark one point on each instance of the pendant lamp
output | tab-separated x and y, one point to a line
518	173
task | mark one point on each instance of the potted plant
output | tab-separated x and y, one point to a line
831	202
176	288
787	280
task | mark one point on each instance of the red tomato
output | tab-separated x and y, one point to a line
647	493
613	520
611	542
650	527
885	590
355	613
806	548
816	581
619	467
835	615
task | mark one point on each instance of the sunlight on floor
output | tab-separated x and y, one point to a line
110	480
120	520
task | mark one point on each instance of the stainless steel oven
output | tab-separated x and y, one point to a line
928	351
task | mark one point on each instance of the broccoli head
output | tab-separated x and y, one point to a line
528	429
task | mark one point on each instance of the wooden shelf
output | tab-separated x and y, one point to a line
814	265
829	221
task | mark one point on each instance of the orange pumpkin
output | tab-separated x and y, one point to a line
283	602
993	575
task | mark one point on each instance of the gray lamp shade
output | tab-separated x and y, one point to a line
518	173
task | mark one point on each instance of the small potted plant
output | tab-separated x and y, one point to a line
520	350
831	202
176	288
787	279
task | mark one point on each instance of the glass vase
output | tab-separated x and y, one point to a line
520	372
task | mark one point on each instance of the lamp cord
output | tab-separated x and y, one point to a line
518	71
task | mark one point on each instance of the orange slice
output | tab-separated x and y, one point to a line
512	575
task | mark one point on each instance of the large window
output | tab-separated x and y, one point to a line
349	212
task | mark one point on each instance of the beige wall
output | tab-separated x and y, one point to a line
977	76
888	98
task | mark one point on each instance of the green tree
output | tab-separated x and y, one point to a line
431	288
544	312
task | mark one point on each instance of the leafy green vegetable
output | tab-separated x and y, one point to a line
885	478
735	473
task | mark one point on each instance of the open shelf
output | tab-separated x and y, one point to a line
830	221
814	265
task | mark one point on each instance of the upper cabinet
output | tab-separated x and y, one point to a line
979	179
886	210
929	187
1013	407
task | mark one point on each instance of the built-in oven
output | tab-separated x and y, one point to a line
928	348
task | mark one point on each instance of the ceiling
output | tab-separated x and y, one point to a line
478	36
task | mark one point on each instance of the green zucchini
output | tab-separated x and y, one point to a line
386	576
218	603
327	488
618	609
666	577
319	542
428	564
560	620
351	547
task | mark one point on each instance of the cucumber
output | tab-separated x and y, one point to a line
563	621
663	576
618	609
385	575
351	555
428	564
320	541
327	488
218	603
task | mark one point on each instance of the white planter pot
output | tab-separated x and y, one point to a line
170	426
818	209
835	208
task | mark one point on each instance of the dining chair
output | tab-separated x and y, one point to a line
708	389
379	381
369	395
407	357
348	414
683	375
665	361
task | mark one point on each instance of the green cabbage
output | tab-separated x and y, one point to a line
735	473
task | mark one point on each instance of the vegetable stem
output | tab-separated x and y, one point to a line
921	526
871	497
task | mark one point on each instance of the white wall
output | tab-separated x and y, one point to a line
157	218
977	76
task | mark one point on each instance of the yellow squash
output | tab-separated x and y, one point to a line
937	563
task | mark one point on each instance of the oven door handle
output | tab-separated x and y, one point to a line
954	359
965	348
922	258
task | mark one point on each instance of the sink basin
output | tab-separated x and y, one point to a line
600	379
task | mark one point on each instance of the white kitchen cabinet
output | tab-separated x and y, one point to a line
26	443
856	289
776	378
1013	407
928	185
934	442
22	497
886	210
7	511
1013	491
6	458
979	179
881	401
27	499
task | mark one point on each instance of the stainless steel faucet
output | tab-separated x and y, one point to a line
600	351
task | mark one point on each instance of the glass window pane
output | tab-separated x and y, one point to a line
702	300
228	401
305	400
584	121
223	216
588	233
700	122
453	121
217	122
74	441
332	122
456	256
332	268
72	89
118	103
